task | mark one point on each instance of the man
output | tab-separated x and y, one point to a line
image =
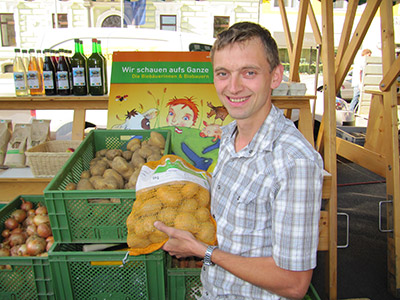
356	80
266	186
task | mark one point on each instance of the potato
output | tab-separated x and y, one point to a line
203	197
127	155
84	184
134	241
187	221
114	174
150	207
133	145
101	153
189	189
134	177
157	139
202	214
112	153
124	168
145	226
137	160
70	186
145	151
109	183
85	174
158	236
167	215
206	233
188	205
98	168
169	196
154	157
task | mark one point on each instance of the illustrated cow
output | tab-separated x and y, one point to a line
136	120
211	130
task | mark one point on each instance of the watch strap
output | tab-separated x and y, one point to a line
207	257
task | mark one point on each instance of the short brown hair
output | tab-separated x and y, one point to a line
245	31
366	52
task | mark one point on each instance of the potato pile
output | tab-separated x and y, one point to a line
183	205
116	169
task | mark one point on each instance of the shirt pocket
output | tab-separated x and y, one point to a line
251	202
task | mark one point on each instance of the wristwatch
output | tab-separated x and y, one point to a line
207	257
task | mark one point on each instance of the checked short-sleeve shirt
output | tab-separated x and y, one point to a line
266	200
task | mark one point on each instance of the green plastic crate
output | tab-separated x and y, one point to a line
102	274
185	284
73	218
30	276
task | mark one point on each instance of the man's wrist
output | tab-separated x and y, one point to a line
207	256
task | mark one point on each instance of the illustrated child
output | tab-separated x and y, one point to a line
183	112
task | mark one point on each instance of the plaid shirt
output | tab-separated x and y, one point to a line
266	200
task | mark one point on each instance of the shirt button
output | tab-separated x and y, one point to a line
218	187
213	216
250	151
204	268
206	293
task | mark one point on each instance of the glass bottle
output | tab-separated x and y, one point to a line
35	76
104	67
49	73
39	58
78	66
20	79
25	58
95	70
62	75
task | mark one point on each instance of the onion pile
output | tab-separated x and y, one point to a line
27	231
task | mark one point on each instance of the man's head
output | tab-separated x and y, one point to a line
245	31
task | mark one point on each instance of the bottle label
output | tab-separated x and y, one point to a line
62	80
19	79
48	80
78	76
95	76
33	80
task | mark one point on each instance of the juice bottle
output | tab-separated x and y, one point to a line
35	76
95	70
49	73
78	66
104	67
20	79
63	75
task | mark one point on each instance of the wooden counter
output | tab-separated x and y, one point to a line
79	104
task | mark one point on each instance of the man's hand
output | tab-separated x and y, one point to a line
181	243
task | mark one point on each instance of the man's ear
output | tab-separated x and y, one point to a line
277	75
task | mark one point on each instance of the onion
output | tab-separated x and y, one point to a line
17	230
40	219
11	223
22	250
44	230
41	209
14	250
35	245
16	239
6	233
29	220
50	242
4	251
26	205
31	229
19	215
31	212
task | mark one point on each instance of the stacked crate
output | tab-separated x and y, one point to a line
77	221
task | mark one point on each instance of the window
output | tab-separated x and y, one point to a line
112	21
7	30
220	24
168	22
62	21
339	4
288	3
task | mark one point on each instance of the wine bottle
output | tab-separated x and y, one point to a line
95	67
25	58
62	76
35	77
104	67
78	66
20	79
49	73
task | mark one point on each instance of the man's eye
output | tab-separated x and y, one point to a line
250	73
221	74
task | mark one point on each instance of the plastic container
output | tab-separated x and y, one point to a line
28	277
75	217
106	274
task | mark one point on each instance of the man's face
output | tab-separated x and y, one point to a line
243	80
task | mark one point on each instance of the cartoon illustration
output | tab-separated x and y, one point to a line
136	120
183	112
199	162
213	130
219	112
121	98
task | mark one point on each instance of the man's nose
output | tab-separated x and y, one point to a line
235	84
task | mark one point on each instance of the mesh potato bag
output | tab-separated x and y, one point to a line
174	192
